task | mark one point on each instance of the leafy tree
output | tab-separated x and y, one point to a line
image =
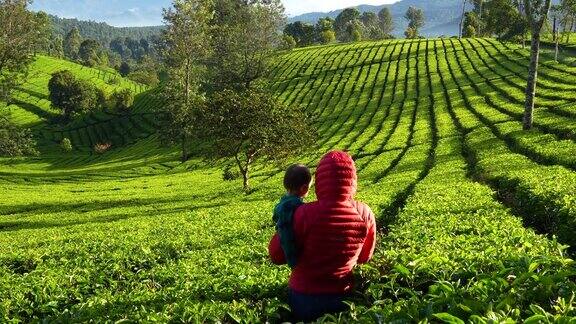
72	43
43	24
354	31
325	30
185	48
470	31
303	33
123	100
288	43
66	145
90	52
472	24
21	34
415	18
124	69
56	46
371	26
504	19
327	37
251	125
342	23
244	39
73	96
568	21
144	76
386	22
536	13
410	33
15	141
461	26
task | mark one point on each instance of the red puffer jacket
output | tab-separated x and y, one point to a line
332	234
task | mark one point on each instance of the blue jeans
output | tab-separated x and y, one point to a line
308	308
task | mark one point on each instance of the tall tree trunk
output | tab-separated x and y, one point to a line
557	45
461	28
245	171
570	31
185	154
554	28
532	81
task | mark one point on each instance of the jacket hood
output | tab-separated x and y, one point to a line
336	177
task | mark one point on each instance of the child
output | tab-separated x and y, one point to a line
297	183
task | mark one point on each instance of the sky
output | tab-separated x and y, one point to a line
149	12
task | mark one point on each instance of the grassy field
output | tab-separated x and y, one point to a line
477	217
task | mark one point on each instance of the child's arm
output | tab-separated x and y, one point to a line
370	242
275	251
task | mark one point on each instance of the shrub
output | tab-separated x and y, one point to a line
230	173
288	43
124	69
328	36
102	148
15	141
66	145
73	96
123	100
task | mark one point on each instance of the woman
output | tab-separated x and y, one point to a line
332	235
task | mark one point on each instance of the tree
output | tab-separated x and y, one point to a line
72	43
342	22
123	100
354	31
21	34
303	33
124	69
15	141
288	43
415	17
244	39
386	22
90	52
56	47
44	38
325	30
472	24
503	18
73	96
410	33
556	13
461	26
371	26
536	13
185	49
568	12
251	125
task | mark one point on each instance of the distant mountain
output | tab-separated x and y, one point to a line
442	16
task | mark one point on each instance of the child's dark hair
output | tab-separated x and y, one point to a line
297	176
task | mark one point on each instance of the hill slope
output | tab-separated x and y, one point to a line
434	126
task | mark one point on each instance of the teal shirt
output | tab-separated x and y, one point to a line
283	218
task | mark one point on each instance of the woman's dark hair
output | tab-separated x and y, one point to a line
296	176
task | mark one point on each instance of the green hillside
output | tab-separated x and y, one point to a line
477	217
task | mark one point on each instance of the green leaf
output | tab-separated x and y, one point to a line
536	319
448	318
402	270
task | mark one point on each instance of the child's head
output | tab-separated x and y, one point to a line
297	180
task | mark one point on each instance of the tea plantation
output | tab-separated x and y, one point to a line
477	217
